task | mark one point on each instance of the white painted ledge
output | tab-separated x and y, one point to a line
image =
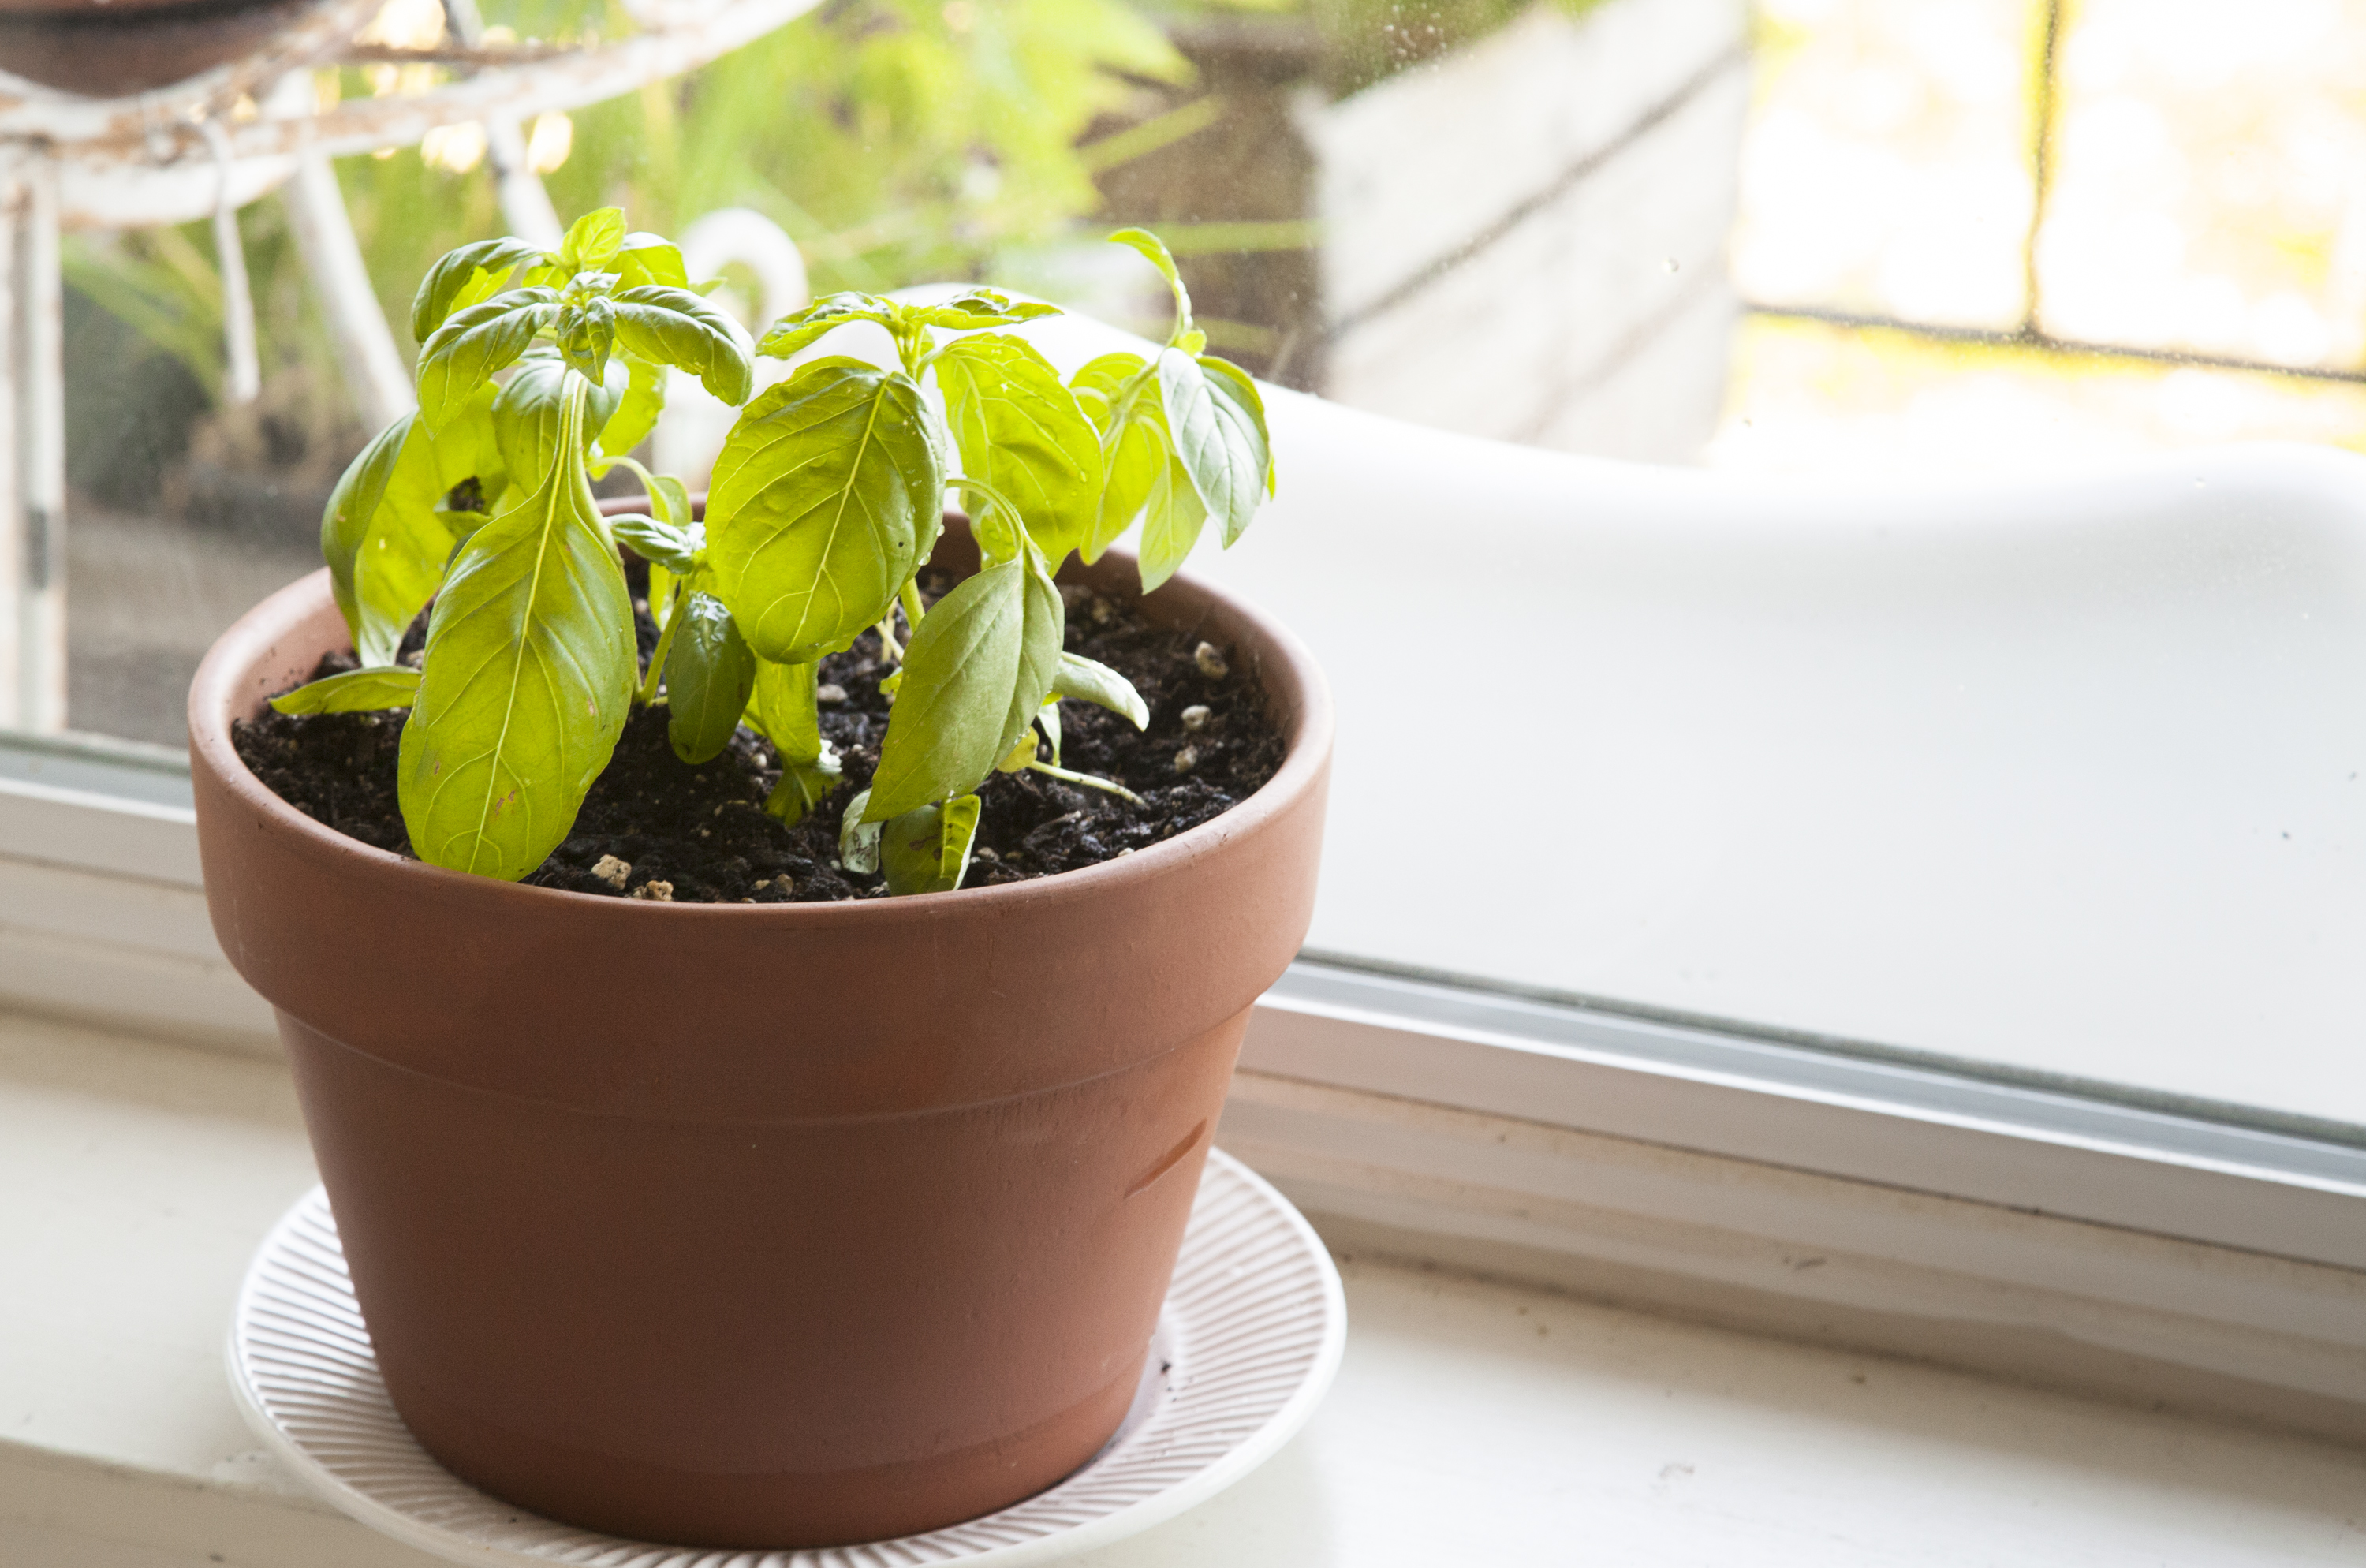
1474	1422
2111	1251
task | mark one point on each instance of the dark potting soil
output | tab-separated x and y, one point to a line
700	835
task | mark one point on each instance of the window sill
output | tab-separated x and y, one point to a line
1474	1420
1888	1208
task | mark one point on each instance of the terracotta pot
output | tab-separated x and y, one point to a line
772	1226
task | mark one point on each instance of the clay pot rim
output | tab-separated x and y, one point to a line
213	699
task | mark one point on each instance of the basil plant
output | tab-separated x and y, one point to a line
541	371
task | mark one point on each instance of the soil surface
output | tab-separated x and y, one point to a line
700	835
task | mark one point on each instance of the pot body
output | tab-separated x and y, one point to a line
760	1226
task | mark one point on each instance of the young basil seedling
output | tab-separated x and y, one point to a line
540	370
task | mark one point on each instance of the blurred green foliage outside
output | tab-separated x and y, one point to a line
896	141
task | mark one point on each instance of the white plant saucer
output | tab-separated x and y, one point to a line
1247	1343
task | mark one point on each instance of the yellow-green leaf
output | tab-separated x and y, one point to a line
1220	445
786	710
464	276
979	666
674	326
385	541
1124	405
1020	431
801	329
593	240
803	786
649	258
1090	681
825	494
1155	250
975	308
1241	408
530	670
355	691
636	415
659	543
1170	525
926	848
471	344
708	675
525	416
858	839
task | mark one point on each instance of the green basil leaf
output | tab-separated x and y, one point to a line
858	839
527	414
799	329
529	674
674	326
947	729
1240	407
1170	525
354	503
473	344
1216	439
464	526
822	496
1102	383
647	258
931	520
670	498
603	398
1020	754
977	308
804	785
467	448
463	278
1047	629
1134	457
979	666
1089	680
659	543
926	848
637	415
1151	246
385	542
593	240
1047	719
1000	535
1019	430
356	691
587	336
708	674
786	710
1133	443
661	587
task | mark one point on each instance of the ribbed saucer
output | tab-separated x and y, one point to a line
1250	1337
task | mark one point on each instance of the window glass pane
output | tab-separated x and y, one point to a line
2206	189
1661	732
1888	167
1811	399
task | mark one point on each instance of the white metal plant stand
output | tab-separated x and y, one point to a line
215	141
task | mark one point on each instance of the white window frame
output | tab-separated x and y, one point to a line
1680	1164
